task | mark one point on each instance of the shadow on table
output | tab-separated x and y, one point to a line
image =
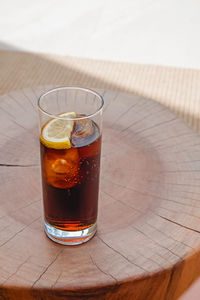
4	46
22	69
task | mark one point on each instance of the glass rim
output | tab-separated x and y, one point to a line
70	88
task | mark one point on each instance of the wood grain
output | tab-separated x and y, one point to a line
147	244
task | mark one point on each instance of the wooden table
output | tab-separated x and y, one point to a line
147	244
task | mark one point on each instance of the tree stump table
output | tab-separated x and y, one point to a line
147	244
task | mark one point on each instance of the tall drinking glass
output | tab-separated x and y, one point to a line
70	145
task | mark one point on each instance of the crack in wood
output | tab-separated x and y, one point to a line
156	125
148	106
131	189
163	146
28	100
16	101
115	97
16	165
147	128
6	112
188	192
187	148
123	114
13	121
54	284
13	236
123	186
179	224
46	269
179	171
170	237
125	204
181	162
183	203
20	208
156	242
36	96
16	270
159	183
174	183
165	139
133	263
179	211
10	137
150	209
107	274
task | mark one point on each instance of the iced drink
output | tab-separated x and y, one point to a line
70	146
70	179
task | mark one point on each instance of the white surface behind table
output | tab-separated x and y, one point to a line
141	31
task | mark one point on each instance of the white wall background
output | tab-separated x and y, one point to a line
164	32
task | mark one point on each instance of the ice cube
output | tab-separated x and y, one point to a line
62	169
60	166
84	133
83	127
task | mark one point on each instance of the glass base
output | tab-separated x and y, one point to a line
70	237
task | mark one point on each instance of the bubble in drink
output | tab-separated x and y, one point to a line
61	170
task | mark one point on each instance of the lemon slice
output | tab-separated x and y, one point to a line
56	133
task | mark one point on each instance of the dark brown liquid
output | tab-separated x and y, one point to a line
70	179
